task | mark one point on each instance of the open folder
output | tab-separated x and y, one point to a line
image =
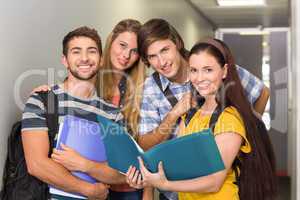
186	157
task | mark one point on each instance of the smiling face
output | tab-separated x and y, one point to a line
164	57
82	59
123	51
206	74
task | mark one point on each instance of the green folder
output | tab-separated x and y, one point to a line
186	157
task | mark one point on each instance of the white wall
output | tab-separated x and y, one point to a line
31	33
294	126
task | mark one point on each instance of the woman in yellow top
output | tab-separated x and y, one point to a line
214	77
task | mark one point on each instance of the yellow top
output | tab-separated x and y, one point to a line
229	121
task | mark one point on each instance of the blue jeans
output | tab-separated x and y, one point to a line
165	195
162	197
135	195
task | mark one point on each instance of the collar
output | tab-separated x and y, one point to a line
61	89
166	82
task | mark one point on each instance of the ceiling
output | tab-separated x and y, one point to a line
275	14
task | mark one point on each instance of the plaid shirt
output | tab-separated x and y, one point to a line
252	85
155	105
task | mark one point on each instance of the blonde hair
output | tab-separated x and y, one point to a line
135	78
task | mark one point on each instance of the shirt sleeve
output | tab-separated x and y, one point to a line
34	114
149	114
253	86
231	121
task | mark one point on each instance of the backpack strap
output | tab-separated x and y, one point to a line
213	120
51	104
236	163
214	117
167	92
189	115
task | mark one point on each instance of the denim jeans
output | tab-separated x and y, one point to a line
135	195
162	197
166	195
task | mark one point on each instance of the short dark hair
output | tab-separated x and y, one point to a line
83	31
158	29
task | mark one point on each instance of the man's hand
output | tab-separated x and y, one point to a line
185	103
70	159
97	191
42	88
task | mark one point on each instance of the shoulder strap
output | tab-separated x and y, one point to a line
51	104
200	101
212	123
214	117
236	163
189	115
213	120
167	92
122	88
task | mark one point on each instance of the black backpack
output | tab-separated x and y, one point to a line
17	182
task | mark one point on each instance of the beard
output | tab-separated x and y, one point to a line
81	77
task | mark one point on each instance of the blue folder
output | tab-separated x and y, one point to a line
84	137
186	157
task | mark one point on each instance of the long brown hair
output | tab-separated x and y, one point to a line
257	178
135	77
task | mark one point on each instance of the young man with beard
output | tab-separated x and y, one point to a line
82	54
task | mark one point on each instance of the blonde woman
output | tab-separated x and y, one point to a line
121	83
122	76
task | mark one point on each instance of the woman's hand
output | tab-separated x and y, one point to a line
145	178
70	159
134	178
42	88
157	180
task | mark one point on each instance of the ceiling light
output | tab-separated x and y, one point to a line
233	3
254	32
265	44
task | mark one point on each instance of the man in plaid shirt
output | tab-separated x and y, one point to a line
161	47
